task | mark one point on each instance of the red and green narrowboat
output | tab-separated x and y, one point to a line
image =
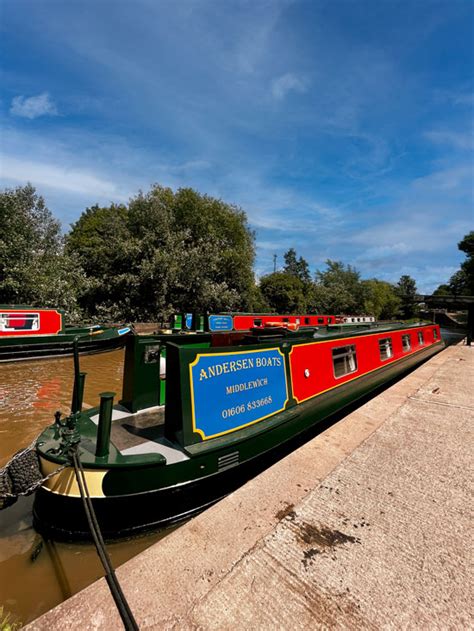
201	413
36	333
246	321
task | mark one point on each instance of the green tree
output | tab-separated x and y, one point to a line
337	290
462	282
442	290
33	266
284	292
216	271
380	299
297	267
165	252
406	291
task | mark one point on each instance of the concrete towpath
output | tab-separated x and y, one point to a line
365	526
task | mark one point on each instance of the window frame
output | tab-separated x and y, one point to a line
389	347
6	317
350	353
406	336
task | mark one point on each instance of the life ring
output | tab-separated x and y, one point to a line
291	326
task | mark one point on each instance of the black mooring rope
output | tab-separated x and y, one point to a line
126	614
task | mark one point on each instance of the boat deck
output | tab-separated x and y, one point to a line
142	433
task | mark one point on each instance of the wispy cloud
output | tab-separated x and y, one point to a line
33	106
287	83
57	177
459	140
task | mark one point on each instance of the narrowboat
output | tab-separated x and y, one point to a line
199	414
246	321
34	333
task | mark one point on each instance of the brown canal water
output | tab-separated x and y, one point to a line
36	575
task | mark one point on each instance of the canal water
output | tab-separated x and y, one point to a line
36	575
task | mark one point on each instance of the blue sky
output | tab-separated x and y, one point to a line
343	128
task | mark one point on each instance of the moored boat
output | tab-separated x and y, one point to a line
36	333
200	414
246	321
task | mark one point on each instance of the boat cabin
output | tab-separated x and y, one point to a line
24	321
247	321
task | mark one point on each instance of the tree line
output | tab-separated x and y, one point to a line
173	251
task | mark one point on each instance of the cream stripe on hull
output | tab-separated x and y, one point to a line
64	483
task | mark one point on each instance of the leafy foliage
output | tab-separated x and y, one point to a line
337	289
33	266
297	267
380	299
180	251
461	282
284	292
406	291
7	622
164	252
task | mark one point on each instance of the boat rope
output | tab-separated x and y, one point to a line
123	607
22	475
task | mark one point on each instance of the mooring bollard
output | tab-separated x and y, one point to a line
105	424
78	393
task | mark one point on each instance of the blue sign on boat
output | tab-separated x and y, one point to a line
232	390
189	320
221	323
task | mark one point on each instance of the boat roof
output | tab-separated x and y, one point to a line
331	331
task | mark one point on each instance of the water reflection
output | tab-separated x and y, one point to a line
36	575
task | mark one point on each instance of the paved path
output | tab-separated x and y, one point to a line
366	526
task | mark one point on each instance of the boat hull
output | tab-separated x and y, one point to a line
144	499
61	345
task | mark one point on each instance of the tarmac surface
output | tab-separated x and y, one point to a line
365	526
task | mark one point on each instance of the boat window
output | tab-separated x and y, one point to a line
320	320
306	320
406	343
257	323
344	360
286	319
385	346
17	321
435	334
421	340
329	320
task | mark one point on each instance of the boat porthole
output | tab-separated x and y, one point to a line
306	373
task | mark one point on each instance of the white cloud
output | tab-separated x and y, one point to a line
34	106
286	83
456	139
58	177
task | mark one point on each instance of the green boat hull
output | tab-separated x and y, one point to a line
62	344
140	496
